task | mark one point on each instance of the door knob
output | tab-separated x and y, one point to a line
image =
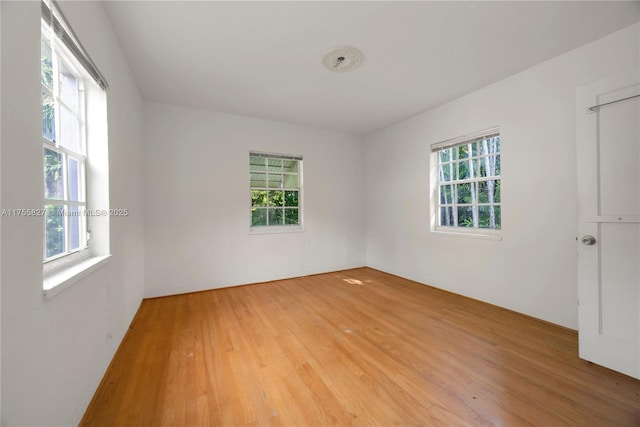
589	240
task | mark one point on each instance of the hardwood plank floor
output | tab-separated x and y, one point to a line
357	347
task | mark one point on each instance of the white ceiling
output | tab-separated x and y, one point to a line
264	59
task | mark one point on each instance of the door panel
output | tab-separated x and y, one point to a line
619	280
618	144
608	161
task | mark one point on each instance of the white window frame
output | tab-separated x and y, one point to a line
284	228
437	174
59	54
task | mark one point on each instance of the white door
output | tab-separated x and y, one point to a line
608	156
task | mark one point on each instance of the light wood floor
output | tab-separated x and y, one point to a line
356	347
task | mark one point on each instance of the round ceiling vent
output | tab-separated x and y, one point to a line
343	59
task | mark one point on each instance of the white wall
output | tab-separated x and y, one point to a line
533	269
55	352
197	201
0	224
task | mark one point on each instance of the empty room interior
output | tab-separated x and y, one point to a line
320	213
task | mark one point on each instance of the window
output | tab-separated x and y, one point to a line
468	183
74	156
64	151
275	182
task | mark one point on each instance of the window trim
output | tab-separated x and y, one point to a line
277	229
61	271
468	232
55	282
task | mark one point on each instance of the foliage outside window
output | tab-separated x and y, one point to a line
64	157
275	189
468	177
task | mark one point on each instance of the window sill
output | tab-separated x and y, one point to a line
276	230
54	284
470	235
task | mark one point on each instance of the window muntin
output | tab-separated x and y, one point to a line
64	150
469	183
275	184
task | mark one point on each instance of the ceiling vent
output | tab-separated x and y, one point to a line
343	59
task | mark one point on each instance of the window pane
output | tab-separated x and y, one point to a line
493	144
483	167
48	116
465	216
290	165
68	87
474	168
291	198
275	165
69	130
46	65
74	227
291	216
490	166
276	198
463	151
275	181
258	197
276	216
258	217
447	172
489	217
54	230
290	181
258	180
446	194
463	192
448	155
468	169
257	163
489	191
53	175
474	149
446	216
463	170
73	173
